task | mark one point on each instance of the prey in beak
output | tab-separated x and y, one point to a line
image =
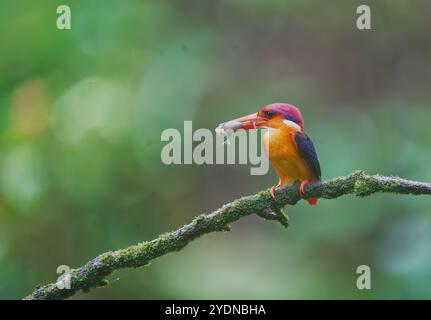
252	121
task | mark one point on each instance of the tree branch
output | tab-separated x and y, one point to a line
93	274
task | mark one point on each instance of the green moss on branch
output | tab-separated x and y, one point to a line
93	274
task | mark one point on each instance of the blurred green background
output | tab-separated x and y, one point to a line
82	111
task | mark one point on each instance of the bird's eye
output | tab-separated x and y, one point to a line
269	114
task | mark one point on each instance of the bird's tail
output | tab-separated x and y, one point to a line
312	201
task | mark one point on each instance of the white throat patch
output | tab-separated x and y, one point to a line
292	125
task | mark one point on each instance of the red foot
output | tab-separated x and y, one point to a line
275	188
301	187
311	201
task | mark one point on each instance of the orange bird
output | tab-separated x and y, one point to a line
290	150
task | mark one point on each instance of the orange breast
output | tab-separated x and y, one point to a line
281	149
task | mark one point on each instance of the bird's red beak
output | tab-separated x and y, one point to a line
252	121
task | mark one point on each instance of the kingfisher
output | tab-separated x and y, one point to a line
289	149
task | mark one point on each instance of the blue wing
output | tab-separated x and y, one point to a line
308	153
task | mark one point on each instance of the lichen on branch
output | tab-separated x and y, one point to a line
94	273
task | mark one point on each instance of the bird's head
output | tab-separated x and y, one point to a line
275	115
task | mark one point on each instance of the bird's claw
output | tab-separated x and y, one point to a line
301	187
274	189
273	192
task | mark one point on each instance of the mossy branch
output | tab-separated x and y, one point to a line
93	274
